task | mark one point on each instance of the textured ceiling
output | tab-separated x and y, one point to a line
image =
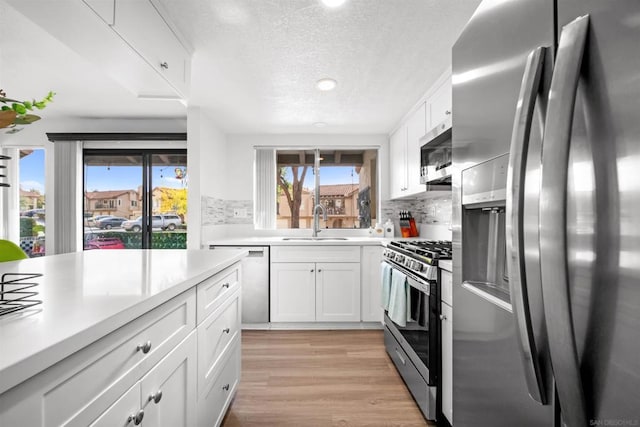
256	63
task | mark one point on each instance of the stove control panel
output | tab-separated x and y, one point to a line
411	264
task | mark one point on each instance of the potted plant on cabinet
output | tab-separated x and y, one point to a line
15	113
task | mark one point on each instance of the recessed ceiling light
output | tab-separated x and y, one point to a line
326	84
320	124
333	3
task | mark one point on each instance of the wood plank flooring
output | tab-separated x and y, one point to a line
320	378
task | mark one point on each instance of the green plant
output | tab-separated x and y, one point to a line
14	113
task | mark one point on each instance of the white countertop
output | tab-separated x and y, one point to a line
86	295
446	264
282	241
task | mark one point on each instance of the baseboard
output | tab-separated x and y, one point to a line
312	326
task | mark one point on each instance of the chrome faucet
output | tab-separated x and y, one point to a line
316	218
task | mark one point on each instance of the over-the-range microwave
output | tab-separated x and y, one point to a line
435	155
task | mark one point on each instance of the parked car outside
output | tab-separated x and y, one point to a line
163	221
95	219
104	243
110	222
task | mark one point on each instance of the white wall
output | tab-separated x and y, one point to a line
207	165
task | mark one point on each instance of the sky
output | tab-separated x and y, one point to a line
99	177
32	171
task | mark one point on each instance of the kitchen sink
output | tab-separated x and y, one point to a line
314	238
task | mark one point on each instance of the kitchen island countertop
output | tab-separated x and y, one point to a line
87	295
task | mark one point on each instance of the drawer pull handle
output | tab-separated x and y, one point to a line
443	317
156	397
164	65
400	357
226	330
225	387
146	347
226	285
136	418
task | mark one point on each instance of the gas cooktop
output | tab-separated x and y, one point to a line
432	249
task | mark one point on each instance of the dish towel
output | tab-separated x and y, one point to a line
385	271
399	301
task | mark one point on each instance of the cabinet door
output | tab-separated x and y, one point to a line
416	128
398	163
293	292
439	104
145	30
338	292
118	414
172	383
447	362
371	284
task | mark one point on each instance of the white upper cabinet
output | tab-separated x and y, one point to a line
416	128
440	104
397	162
140	24
404	161
105	9
405	142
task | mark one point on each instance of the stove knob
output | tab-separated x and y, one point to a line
418	267
400	258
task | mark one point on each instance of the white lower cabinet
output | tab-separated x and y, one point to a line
164	397
144	373
338	292
315	292
293	292
447	361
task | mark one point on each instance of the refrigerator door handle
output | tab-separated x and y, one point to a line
553	216
525	108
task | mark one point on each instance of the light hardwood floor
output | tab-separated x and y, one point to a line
320	378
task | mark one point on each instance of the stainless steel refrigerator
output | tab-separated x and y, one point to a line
546	215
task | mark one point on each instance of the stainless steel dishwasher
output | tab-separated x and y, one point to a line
255	283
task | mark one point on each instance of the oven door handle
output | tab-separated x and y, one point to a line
525	109
409	275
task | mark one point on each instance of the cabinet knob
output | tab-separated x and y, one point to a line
164	65
145	348
447	112
443	317
319	271
155	396
226	285
312	270
225	387
226	330
136	418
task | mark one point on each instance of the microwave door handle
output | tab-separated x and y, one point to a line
553	216
525	108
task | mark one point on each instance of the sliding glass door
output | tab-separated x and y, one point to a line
135	199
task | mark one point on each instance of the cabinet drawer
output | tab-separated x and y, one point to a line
213	291
213	403
214	337
118	413
79	398
446	286
315	254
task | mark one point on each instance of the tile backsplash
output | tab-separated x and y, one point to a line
426	210
220	212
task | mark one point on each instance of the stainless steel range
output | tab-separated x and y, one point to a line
414	345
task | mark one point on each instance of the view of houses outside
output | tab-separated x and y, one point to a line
347	190
32	202
113	200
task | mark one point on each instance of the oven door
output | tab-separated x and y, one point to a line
419	337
